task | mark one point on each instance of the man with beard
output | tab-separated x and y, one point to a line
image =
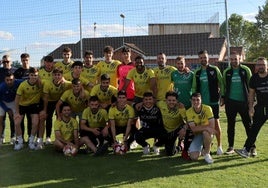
94	126
258	86
143	78
163	76
208	81
182	80
105	92
236	80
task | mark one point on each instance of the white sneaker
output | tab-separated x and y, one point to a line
133	145
12	140
40	145
18	146
219	151
2	141
146	150
48	141
156	150
32	145
208	159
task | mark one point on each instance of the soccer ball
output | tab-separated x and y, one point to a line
120	149
69	150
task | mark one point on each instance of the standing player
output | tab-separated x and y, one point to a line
90	71
143	78
208	81
45	73
66	63
109	66
76	97
258	87
8	90
105	92
163	76
52	91
28	101
123	70
182	79
236	80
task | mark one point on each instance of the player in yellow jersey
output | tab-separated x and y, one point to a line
121	119
90	71
28	101
45	73
77	68
66	63
201	121
77	98
52	91
173	120
94	126
66	129
109	66
105	92
163	76
143	78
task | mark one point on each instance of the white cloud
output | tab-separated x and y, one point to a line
6	35
59	33
250	17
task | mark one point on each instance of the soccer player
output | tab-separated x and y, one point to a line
201	121
66	129
143	78
23	73
77	98
90	71
163	76
105	92
236	80
45	73
94	126
121	119
123	70
52	91
28	101
182	80
173	120
208	81
8	90
75	73
151	123
258	86
67	62
7	68
109	66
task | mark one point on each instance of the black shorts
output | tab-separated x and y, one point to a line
216	110
31	109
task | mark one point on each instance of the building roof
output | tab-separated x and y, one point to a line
150	45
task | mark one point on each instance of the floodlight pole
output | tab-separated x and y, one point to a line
80	19
123	17
227	33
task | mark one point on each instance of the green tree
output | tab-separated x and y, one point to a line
259	41
239	28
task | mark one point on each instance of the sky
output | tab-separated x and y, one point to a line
39	27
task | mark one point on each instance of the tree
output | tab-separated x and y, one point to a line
239	28
259	41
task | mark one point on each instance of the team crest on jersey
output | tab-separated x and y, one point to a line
212	73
